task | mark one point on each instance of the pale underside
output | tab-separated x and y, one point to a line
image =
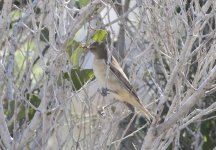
117	85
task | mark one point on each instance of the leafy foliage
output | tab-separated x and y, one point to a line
79	77
100	35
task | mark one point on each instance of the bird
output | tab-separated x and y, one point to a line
116	82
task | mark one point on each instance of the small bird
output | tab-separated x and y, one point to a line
116	81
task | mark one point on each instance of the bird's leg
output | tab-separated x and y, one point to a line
105	91
101	111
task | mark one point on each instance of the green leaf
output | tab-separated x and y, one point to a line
76	55
44	35
100	35
35	100
37	72
25	52
21	114
15	15
83	3
205	139
20	59
73	45
37	10
79	77
113	108
206	130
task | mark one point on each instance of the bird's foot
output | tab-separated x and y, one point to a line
101	111
105	91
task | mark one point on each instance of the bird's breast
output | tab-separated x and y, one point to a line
110	81
99	67
100	71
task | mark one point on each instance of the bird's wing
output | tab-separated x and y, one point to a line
122	77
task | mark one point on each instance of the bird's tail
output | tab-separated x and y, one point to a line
135	101
146	114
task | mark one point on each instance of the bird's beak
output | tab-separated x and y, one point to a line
86	47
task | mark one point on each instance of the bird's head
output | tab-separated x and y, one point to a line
98	49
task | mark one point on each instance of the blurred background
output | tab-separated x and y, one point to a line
49	98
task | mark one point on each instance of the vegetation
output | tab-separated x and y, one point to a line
49	98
